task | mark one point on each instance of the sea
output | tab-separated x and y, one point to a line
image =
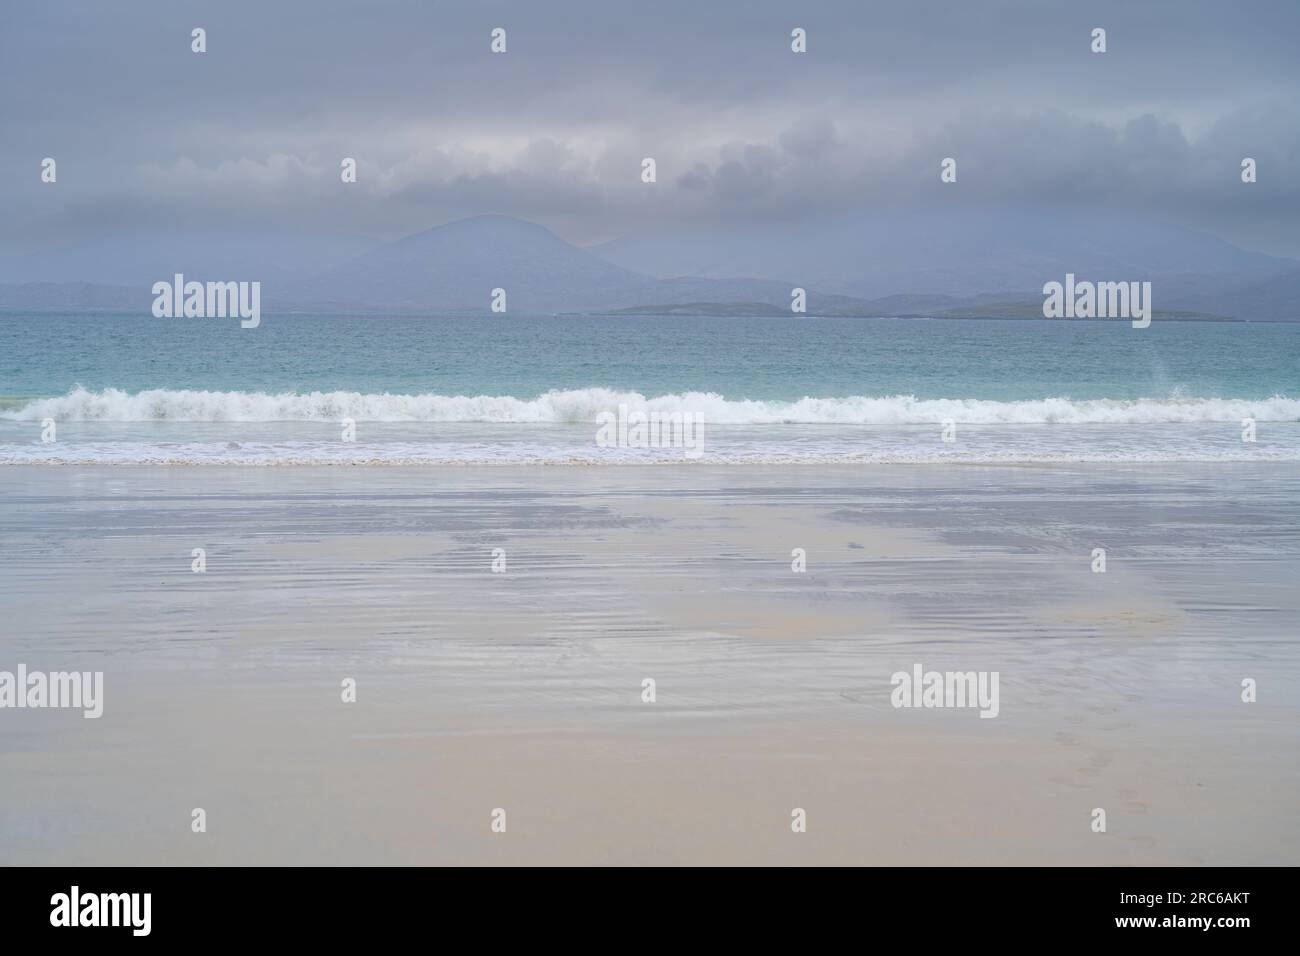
509	389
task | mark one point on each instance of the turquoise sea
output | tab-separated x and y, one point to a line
488	388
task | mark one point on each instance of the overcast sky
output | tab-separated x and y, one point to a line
249	135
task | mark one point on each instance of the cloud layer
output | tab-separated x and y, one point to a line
250	135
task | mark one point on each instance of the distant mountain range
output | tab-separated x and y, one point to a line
961	263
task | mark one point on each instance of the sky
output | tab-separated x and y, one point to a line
745	133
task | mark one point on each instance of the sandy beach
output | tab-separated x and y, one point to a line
523	690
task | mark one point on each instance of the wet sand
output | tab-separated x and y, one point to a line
523	690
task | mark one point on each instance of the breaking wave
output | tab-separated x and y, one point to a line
585	404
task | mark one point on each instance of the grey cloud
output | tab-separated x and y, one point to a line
743	130
812	137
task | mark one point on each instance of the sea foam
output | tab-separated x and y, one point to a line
584	405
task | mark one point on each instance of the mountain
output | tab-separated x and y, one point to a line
1274	297
455	267
959	251
968	265
449	268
